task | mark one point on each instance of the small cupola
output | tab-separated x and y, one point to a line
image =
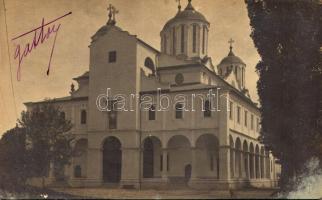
232	64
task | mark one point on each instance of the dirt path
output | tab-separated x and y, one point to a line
164	194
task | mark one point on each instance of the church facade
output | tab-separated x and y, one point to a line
184	121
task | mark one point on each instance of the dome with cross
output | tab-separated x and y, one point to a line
231	58
232	64
189	13
186	34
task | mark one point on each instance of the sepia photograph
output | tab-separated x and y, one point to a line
160	99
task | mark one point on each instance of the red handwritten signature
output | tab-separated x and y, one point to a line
40	36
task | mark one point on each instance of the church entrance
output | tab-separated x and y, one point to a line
152	157
112	160
187	173
148	159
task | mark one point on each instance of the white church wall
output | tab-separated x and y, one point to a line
120	76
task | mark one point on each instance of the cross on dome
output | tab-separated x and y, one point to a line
111	15
231	41
179	5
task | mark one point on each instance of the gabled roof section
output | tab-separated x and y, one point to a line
57	100
105	29
84	76
147	45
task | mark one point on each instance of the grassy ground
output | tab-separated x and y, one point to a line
166	194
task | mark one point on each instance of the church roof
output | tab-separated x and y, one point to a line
104	29
57	100
189	13
231	59
84	76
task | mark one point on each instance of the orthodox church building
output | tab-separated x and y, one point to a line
201	142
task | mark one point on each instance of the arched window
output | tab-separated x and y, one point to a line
83	117
174	41
77	171
112	114
194	38
231	110
203	39
207	109
152	113
63	115
246	118
165	43
149	64
179	111
182	38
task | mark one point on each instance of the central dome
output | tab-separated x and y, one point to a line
189	13
186	34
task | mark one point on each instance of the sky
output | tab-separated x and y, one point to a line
144	18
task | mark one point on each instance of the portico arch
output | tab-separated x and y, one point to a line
251	161
238	155
232	156
267	164
152	157
245	160
262	163
207	156
257	169
179	157
112	160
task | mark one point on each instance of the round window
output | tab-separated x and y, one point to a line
179	79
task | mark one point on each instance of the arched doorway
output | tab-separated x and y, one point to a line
179	156
207	156
232	156
152	156
112	160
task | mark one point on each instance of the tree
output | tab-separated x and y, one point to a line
287	35
48	138
14	168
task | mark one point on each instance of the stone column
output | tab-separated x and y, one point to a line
248	165
242	163
268	170
238	164
254	165
130	167
164	164
259	166
232	168
263	167
224	164
193	163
